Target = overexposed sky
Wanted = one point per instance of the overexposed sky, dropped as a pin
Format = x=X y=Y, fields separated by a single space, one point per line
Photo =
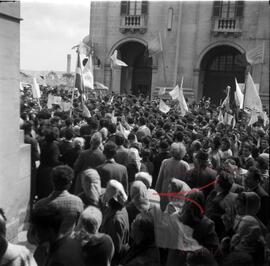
x=49 y=30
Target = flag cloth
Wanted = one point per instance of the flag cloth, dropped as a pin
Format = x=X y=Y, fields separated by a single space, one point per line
x=35 y=89
x=256 y=55
x=220 y=117
x=162 y=91
x=88 y=74
x=238 y=95
x=78 y=78
x=175 y=93
x=253 y=118
x=116 y=62
x=226 y=102
x=155 y=46
x=252 y=99
x=182 y=100
x=100 y=86
x=86 y=112
x=163 y=107
x=229 y=119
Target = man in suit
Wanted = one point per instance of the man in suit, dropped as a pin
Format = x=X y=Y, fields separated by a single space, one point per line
x=112 y=170
x=90 y=158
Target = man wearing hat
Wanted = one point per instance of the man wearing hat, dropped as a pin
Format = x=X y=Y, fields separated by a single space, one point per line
x=201 y=175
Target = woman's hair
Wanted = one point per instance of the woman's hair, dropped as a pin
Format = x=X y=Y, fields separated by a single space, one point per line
x=91 y=219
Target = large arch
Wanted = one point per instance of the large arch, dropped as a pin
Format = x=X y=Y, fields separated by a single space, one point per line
x=137 y=77
x=218 y=68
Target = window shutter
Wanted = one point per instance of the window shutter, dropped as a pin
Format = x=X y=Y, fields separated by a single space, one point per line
x=124 y=8
x=144 y=7
x=239 y=8
x=217 y=8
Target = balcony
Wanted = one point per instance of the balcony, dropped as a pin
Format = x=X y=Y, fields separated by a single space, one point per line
x=133 y=23
x=227 y=26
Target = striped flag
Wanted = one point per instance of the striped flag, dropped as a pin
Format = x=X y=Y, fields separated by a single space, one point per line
x=88 y=74
x=252 y=99
x=256 y=55
x=155 y=46
x=78 y=79
x=115 y=61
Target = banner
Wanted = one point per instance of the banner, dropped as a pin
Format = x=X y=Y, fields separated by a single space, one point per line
x=163 y=107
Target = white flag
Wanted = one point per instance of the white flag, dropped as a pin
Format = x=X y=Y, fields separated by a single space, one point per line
x=35 y=89
x=155 y=45
x=115 y=61
x=175 y=93
x=182 y=100
x=86 y=112
x=220 y=117
x=238 y=95
x=226 y=102
x=88 y=74
x=163 y=107
x=253 y=118
x=255 y=55
x=265 y=119
x=162 y=91
x=100 y=86
x=252 y=99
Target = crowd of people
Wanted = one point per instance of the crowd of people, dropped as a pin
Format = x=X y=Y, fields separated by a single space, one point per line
x=133 y=186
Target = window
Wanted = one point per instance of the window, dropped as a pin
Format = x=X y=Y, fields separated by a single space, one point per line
x=137 y=7
x=228 y=9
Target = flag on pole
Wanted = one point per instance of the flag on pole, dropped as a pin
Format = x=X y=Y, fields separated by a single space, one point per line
x=86 y=112
x=175 y=93
x=182 y=100
x=226 y=102
x=83 y=47
x=88 y=74
x=162 y=91
x=35 y=89
x=238 y=95
x=229 y=119
x=220 y=117
x=256 y=55
x=163 y=107
x=253 y=118
x=252 y=99
x=78 y=78
x=115 y=61
x=155 y=46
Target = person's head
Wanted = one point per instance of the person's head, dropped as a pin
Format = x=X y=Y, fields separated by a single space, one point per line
x=142 y=121
x=201 y=159
x=47 y=222
x=91 y=185
x=49 y=134
x=225 y=144
x=216 y=143
x=134 y=156
x=253 y=177
x=119 y=139
x=178 y=150
x=112 y=128
x=110 y=149
x=201 y=257
x=138 y=195
x=104 y=133
x=230 y=165
x=142 y=230
x=263 y=161
x=247 y=203
x=90 y=220
x=69 y=122
x=178 y=136
x=265 y=142
x=163 y=146
x=246 y=149
x=95 y=141
x=145 y=178
x=69 y=134
x=115 y=194
x=79 y=143
x=62 y=177
x=224 y=182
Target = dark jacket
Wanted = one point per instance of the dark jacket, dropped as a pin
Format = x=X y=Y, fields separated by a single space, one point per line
x=157 y=163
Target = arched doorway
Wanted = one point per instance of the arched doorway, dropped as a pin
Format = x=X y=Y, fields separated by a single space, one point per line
x=137 y=77
x=218 y=70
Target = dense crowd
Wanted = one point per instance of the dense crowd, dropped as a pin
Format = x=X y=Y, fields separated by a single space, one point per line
x=133 y=186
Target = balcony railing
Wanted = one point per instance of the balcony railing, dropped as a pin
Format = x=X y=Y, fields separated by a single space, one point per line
x=227 y=26
x=133 y=23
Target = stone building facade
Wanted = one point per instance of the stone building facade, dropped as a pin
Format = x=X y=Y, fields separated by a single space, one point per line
x=14 y=154
x=200 y=42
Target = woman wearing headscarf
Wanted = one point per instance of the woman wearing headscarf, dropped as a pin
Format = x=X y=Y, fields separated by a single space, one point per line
x=91 y=186
x=115 y=221
x=97 y=248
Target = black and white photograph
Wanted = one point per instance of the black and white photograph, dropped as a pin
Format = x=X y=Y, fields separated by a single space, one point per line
x=134 y=133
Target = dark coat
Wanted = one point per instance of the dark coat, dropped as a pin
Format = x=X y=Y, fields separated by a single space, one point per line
x=64 y=146
x=157 y=163
x=112 y=170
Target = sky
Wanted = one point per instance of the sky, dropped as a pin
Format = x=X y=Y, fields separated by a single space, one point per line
x=49 y=29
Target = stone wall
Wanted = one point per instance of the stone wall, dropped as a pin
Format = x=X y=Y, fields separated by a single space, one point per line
x=14 y=154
